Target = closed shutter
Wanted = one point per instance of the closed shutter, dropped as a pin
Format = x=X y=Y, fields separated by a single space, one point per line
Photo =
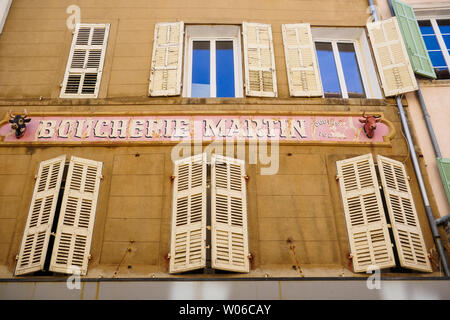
x=85 y=65
x=392 y=60
x=165 y=74
x=188 y=239
x=402 y=212
x=260 y=75
x=367 y=229
x=77 y=216
x=33 y=249
x=415 y=45
x=301 y=61
x=444 y=171
x=229 y=249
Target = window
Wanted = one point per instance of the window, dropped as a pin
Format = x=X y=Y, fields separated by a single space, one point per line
x=63 y=204
x=85 y=65
x=209 y=215
x=367 y=224
x=436 y=34
x=213 y=62
x=346 y=68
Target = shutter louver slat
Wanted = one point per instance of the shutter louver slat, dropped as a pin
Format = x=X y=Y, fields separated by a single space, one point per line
x=392 y=60
x=402 y=211
x=40 y=217
x=85 y=63
x=188 y=239
x=165 y=75
x=369 y=240
x=301 y=61
x=229 y=215
x=77 y=216
x=260 y=73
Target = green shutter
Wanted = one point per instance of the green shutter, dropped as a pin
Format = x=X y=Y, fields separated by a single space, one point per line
x=444 y=170
x=417 y=51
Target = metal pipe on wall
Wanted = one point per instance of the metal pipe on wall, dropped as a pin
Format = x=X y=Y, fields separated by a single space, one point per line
x=431 y=220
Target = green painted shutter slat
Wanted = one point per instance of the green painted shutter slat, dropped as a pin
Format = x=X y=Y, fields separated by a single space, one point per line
x=415 y=45
x=444 y=171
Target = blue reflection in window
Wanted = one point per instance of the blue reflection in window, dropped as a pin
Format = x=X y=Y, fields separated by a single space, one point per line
x=224 y=69
x=351 y=70
x=444 y=26
x=437 y=58
x=431 y=42
x=328 y=72
x=201 y=83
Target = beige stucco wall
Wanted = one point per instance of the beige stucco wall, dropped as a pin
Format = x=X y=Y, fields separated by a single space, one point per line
x=437 y=96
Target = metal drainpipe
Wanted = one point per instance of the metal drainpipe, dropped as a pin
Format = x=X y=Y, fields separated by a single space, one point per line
x=426 y=202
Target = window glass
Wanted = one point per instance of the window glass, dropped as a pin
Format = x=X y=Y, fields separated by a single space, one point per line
x=430 y=36
x=351 y=70
x=201 y=84
x=328 y=72
x=224 y=69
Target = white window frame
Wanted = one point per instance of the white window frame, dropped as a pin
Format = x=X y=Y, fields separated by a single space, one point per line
x=438 y=34
x=213 y=34
x=358 y=38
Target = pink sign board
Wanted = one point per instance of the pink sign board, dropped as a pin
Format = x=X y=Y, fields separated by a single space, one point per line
x=119 y=129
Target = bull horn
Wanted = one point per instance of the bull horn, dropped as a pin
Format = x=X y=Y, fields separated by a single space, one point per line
x=11 y=115
x=364 y=115
x=26 y=113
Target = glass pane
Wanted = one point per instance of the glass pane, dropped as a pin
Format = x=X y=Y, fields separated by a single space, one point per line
x=444 y=25
x=328 y=72
x=437 y=58
x=425 y=27
x=200 y=69
x=447 y=41
x=224 y=69
x=351 y=70
x=431 y=42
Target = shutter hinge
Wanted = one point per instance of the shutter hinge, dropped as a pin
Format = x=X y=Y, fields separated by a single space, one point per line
x=208 y=228
x=408 y=177
x=246 y=177
x=89 y=257
x=337 y=177
x=389 y=225
x=53 y=234
x=35 y=177
x=168 y=256
x=208 y=247
x=172 y=178
x=101 y=177
x=17 y=257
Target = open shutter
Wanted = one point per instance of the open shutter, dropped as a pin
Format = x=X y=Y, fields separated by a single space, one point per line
x=229 y=248
x=402 y=212
x=77 y=216
x=33 y=249
x=444 y=171
x=367 y=229
x=85 y=65
x=393 y=64
x=188 y=239
x=165 y=74
x=260 y=75
x=415 y=45
x=301 y=61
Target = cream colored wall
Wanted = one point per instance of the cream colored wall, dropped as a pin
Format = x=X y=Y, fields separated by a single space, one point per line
x=437 y=96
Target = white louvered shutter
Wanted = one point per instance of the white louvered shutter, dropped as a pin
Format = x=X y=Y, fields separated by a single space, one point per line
x=229 y=236
x=33 y=249
x=260 y=74
x=85 y=65
x=367 y=229
x=77 y=216
x=188 y=238
x=301 y=61
x=402 y=212
x=167 y=58
x=392 y=59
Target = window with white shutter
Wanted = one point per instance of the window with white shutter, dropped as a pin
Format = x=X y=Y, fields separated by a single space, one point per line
x=188 y=238
x=392 y=60
x=259 y=60
x=209 y=215
x=403 y=215
x=301 y=61
x=36 y=236
x=76 y=219
x=367 y=228
x=165 y=74
x=228 y=215
x=85 y=64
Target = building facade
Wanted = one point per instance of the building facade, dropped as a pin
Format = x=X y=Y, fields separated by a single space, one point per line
x=159 y=140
